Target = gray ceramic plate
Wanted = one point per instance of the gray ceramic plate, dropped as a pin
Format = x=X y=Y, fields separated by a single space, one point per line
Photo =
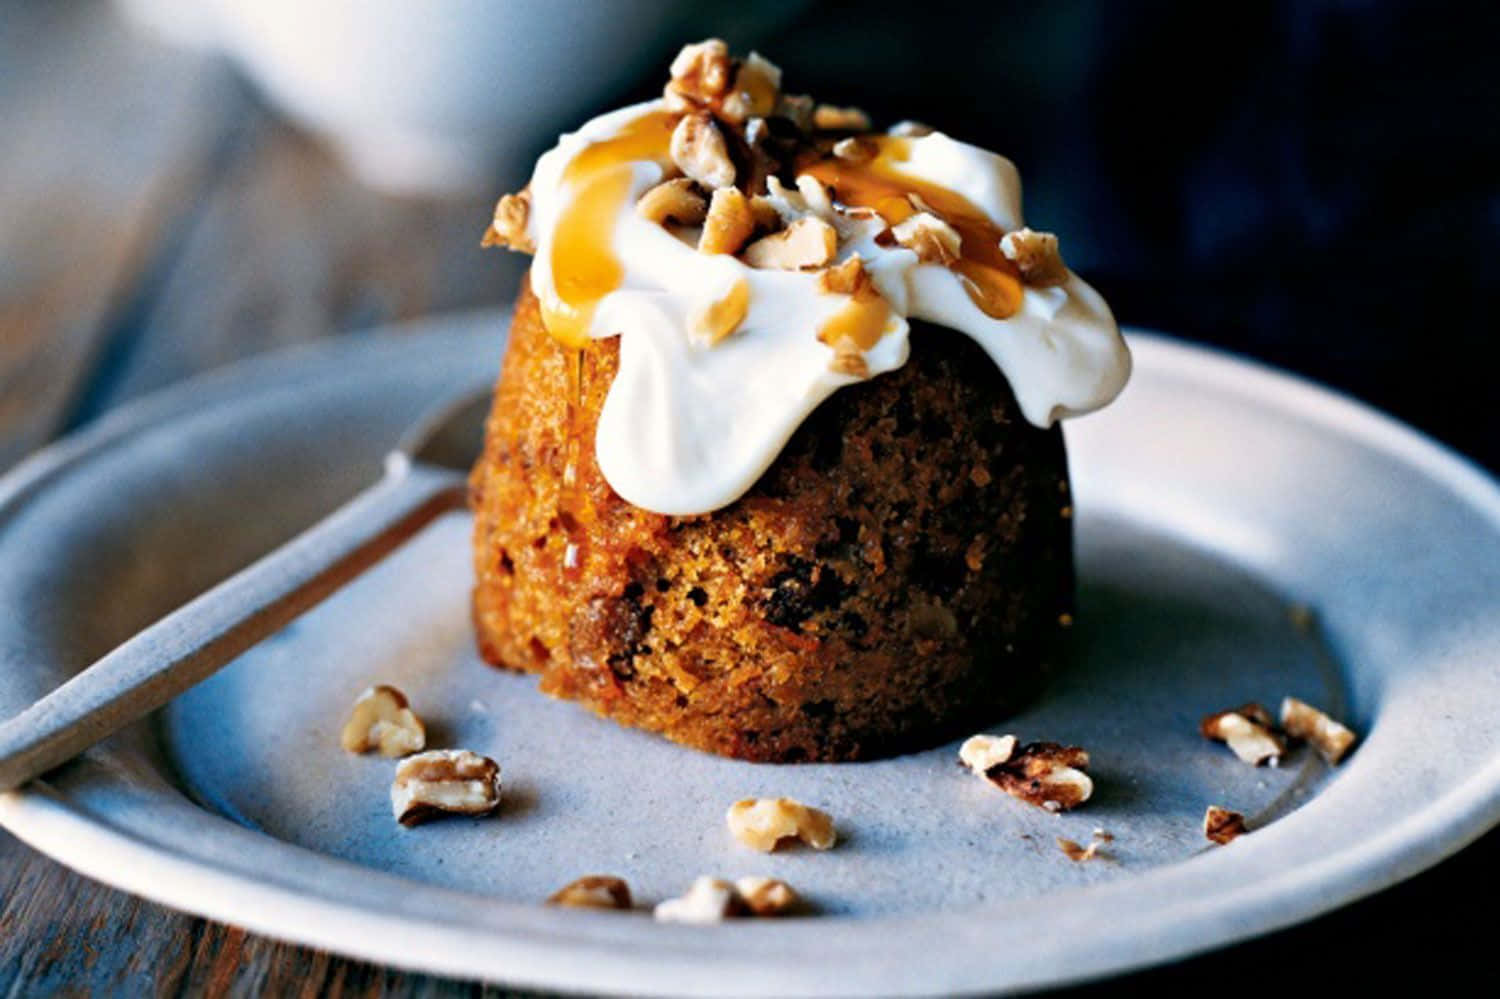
x=1212 y=499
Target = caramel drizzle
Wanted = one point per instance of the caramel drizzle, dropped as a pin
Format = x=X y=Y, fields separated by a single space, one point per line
x=584 y=265
x=990 y=278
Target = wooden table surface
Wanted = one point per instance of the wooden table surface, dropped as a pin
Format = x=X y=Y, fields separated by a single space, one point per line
x=156 y=220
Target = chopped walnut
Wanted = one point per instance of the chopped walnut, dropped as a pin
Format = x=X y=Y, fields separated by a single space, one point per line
x=1076 y=853
x=756 y=89
x=788 y=205
x=1248 y=731
x=701 y=71
x=1045 y=774
x=382 y=719
x=675 y=200
x=596 y=891
x=847 y=278
x=933 y=240
x=698 y=149
x=805 y=244
x=728 y=224
x=1036 y=256
x=1303 y=721
x=797 y=109
x=756 y=131
x=509 y=227
x=981 y=752
x=849 y=360
x=1221 y=825
x=723 y=316
x=444 y=781
x=855 y=149
x=827 y=118
x=816 y=196
x=909 y=130
x=1256 y=712
x=709 y=900
x=764 y=212
x=766 y=896
x=763 y=823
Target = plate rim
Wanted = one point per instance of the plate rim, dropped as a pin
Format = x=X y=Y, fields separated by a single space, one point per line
x=43 y=817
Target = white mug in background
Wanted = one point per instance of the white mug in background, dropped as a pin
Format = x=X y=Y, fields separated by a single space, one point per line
x=447 y=95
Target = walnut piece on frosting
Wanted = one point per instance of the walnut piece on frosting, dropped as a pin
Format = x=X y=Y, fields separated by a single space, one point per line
x=849 y=360
x=1249 y=731
x=806 y=244
x=444 y=782
x=797 y=109
x=853 y=149
x=676 y=200
x=382 y=719
x=828 y=118
x=847 y=278
x=509 y=227
x=756 y=89
x=729 y=223
x=1303 y=721
x=722 y=316
x=909 y=130
x=698 y=149
x=933 y=240
x=764 y=823
x=701 y=72
x=1036 y=256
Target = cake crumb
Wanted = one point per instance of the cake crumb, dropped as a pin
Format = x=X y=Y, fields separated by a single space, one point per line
x=1076 y=853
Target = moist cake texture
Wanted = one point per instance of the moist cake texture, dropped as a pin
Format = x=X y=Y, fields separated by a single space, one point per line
x=898 y=573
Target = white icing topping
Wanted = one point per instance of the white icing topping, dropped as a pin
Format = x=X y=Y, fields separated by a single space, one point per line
x=688 y=426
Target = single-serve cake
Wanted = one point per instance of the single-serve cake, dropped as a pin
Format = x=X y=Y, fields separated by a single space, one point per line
x=773 y=466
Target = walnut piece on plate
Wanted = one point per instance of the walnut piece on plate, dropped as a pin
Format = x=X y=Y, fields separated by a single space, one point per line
x=593 y=891
x=1249 y=731
x=444 y=782
x=1303 y=721
x=764 y=823
x=383 y=719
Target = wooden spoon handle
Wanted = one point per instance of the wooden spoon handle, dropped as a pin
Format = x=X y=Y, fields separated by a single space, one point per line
x=200 y=637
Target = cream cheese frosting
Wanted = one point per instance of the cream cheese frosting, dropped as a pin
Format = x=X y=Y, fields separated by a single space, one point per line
x=689 y=423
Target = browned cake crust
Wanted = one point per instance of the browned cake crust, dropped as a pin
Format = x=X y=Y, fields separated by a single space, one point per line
x=902 y=570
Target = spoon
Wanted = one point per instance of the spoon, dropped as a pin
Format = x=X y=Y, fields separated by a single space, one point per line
x=425 y=476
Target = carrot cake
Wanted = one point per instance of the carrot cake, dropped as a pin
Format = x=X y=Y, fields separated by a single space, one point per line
x=773 y=467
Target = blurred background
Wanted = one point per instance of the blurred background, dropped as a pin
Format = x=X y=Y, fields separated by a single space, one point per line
x=1314 y=183
x=182 y=184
